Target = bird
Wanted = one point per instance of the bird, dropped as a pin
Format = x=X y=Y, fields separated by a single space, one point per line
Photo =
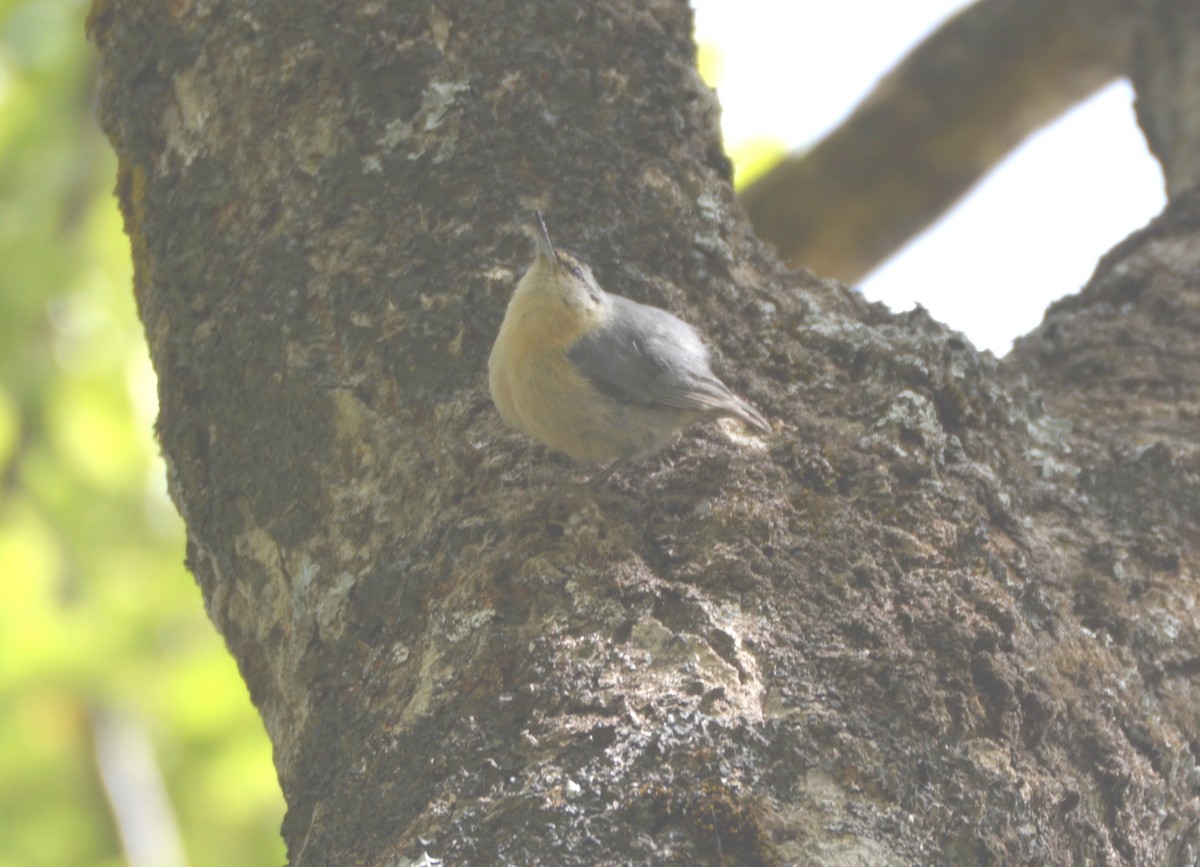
x=598 y=376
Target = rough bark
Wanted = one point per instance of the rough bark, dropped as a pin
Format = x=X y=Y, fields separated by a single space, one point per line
x=946 y=615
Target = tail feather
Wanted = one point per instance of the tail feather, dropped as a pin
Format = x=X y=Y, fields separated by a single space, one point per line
x=747 y=414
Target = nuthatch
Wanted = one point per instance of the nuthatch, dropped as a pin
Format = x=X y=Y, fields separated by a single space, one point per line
x=598 y=376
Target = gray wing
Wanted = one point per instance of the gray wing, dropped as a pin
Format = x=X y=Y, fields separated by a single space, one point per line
x=645 y=355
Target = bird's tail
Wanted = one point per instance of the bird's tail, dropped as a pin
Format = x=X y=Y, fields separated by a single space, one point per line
x=748 y=415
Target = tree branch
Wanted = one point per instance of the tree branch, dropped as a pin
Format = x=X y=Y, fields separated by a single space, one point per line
x=957 y=105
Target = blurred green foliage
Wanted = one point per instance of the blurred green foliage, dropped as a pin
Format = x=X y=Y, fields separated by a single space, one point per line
x=106 y=656
x=753 y=156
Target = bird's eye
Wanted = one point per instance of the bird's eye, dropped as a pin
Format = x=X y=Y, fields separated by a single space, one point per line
x=576 y=273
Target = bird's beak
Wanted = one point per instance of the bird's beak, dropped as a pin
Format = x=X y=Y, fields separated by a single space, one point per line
x=545 y=249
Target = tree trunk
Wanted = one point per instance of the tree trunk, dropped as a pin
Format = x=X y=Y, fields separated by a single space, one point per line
x=946 y=615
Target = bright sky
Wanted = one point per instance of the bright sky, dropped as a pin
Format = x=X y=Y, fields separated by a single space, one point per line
x=1031 y=232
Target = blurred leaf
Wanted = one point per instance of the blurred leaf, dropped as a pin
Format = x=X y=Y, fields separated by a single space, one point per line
x=710 y=62
x=96 y=611
x=753 y=157
x=10 y=423
x=36 y=34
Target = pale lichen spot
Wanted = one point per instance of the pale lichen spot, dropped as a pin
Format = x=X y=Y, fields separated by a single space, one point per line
x=349 y=419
